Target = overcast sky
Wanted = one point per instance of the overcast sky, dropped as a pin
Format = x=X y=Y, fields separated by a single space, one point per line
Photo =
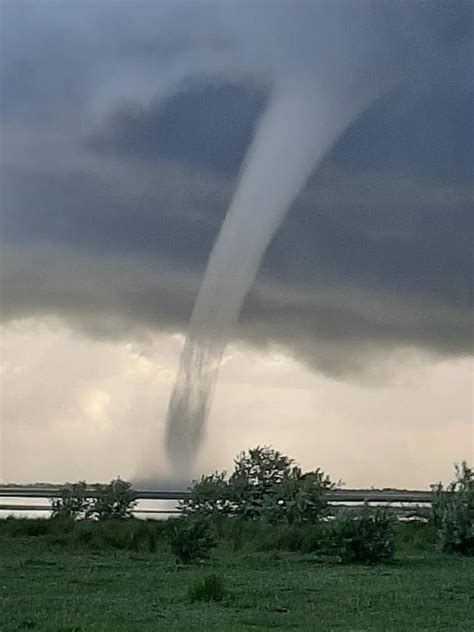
x=124 y=125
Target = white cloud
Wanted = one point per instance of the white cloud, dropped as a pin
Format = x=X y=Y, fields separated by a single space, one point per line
x=73 y=408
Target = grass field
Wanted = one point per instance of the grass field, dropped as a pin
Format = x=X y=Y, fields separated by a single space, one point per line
x=45 y=586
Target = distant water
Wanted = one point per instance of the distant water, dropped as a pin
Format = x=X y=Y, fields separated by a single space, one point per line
x=144 y=508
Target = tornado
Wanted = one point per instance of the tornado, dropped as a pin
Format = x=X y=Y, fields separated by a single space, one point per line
x=353 y=54
x=300 y=123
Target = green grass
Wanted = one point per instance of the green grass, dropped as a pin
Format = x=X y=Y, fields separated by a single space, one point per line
x=46 y=585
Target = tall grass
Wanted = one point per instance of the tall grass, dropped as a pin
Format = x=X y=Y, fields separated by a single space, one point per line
x=131 y=534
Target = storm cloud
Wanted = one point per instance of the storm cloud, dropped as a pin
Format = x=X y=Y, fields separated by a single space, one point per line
x=121 y=153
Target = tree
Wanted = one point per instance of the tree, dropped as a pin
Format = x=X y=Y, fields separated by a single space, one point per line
x=261 y=467
x=265 y=484
x=300 y=498
x=453 y=512
x=115 y=500
x=209 y=496
x=256 y=473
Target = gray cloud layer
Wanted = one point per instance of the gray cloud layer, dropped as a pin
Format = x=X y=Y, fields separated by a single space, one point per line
x=116 y=176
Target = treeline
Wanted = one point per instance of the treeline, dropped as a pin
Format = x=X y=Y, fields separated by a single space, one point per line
x=268 y=494
x=266 y=503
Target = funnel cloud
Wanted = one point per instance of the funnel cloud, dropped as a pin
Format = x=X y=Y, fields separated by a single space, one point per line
x=297 y=128
x=304 y=117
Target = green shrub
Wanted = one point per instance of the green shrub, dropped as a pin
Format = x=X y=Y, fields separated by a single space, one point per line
x=211 y=588
x=453 y=512
x=259 y=535
x=113 y=535
x=25 y=527
x=298 y=498
x=415 y=536
x=99 y=502
x=131 y=535
x=304 y=538
x=256 y=473
x=265 y=485
x=210 y=496
x=73 y=502
x=191 y=539
x=114 y=501
x=145 y=535
x=361 y=536
x=244 y=534
x=271 y=537
x=147 y=538
x=233 y=530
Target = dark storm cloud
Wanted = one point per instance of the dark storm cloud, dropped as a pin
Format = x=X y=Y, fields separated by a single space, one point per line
x=113 y=190
x=207 y=126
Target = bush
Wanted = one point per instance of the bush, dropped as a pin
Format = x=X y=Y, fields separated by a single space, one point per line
x=210 y=588
x=259 y=535
x=265 y=485
x=131 y=535
x=191 y=539
x=453 y=512
x=36 y=527
x=100 y=502
x=210 y=496
x=147 y=534
x=114 y=501
x=299 y=498
x=113 y=535
x=261 y=467
x=415 y=536
x=361 y=536
x=243 y=534
x=73 y=502
x=25 y=527
x=304 y=538
x=256 y=475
